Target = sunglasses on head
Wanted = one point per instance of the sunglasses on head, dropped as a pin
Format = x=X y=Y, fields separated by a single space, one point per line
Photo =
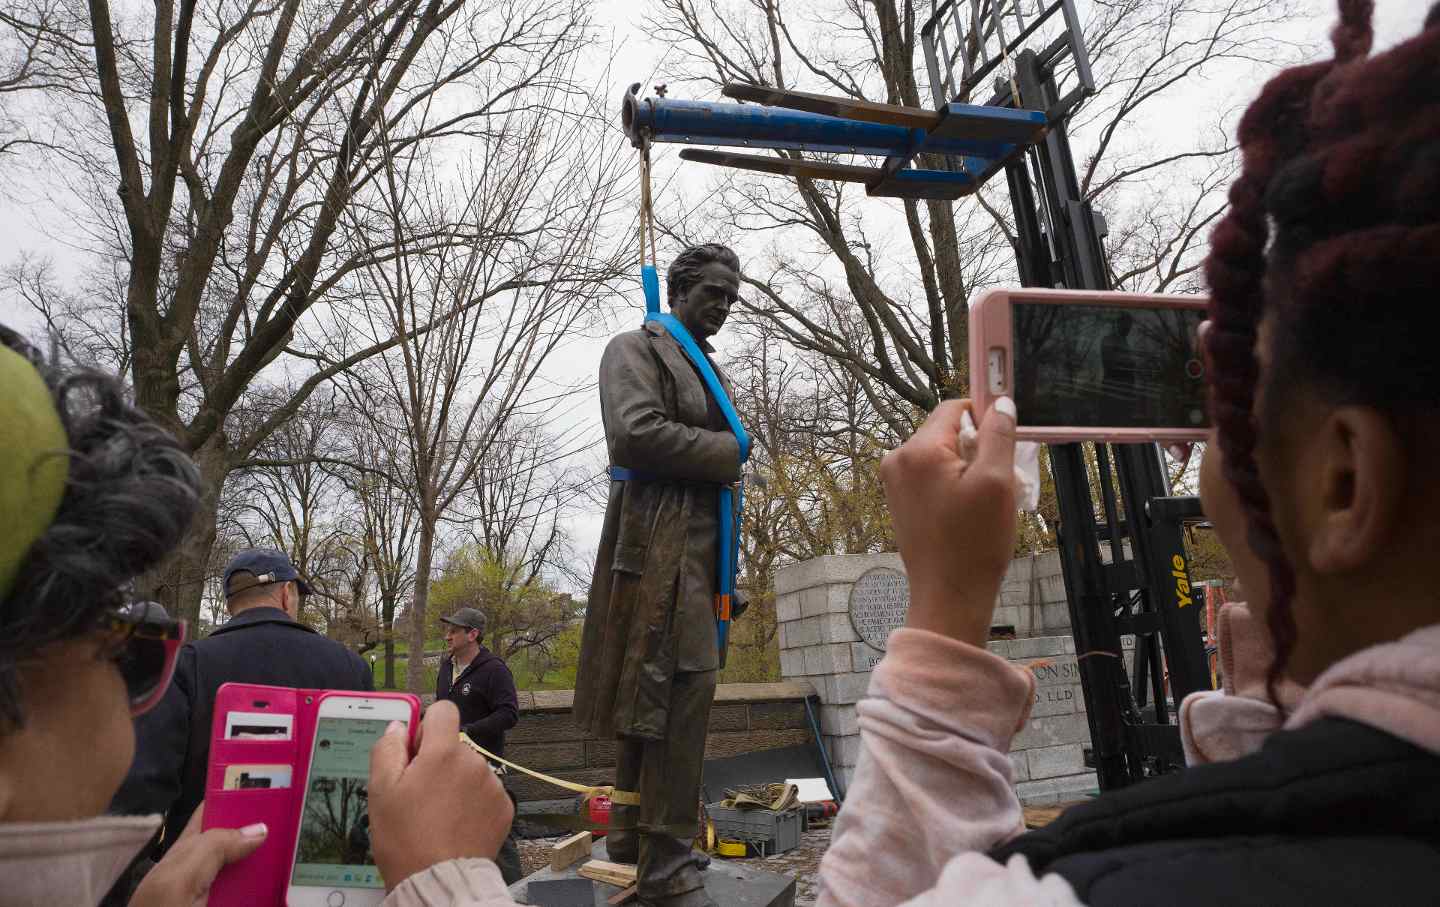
x=149 y=640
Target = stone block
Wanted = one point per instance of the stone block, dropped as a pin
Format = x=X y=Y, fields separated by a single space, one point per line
x=839 y=720
x=1036 y=647
x=1054 y=616
x=1056 y=669
x=999 y=647
x=1056 y=790
x=1017 y=599
x=827 y=658
x=1078 y=694
x=803 y=633
x=1053 y=730
x=864 y=657
x=543 y=728
x=837 y=599
x=1019 y=768
x=548 y=757
x=782 y=691
x=844 y=775
x=553 y=700
x=792 y=663
x=1067 y=645
x=814 y=601
x=1055 y=761
x=842 y=689
x=738 y=743
x=844 y=750
x=601 y=753
x=787 y=607
x=837 y=628
x=833 y=568
x=1006 y=616
x=731 y=716
x=1053 y=700
x=778 y=716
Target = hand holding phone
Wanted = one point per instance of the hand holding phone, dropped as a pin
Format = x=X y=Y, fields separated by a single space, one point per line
x=334 y=859
x=954 y=519
x=1092 y=365
x=444 y=804
x=188 y=869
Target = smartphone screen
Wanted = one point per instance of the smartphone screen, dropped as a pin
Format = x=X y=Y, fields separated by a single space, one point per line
x=1108 y=366
x=334 y=846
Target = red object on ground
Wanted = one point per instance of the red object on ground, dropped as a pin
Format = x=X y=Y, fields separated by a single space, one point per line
x=599 y=808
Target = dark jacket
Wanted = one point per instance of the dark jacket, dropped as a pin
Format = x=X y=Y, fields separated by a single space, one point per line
x=1333 y=813
x=485 y=695
x=651 y=602
x=172 y=742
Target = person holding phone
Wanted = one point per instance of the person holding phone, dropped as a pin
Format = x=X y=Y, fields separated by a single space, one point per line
x=92 y=494
x=263 y=642
x=1315 y=775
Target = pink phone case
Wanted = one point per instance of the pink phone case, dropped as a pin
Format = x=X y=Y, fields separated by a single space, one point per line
x=991 y=327
x=261 y=879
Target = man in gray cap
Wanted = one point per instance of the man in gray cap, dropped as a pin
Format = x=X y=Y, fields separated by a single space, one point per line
x=482 y=688
x=264 y=643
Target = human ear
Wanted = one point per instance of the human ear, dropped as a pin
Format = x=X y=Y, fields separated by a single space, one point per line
x=1358 y=479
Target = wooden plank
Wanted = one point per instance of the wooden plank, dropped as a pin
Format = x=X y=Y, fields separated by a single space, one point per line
x=623 y=896
x=817 y=170
x=1040 y=816
x=570 y=851
x=617 y=874
x=828 y=105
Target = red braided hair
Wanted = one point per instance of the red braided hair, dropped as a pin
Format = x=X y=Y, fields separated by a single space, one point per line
x=1333 y=236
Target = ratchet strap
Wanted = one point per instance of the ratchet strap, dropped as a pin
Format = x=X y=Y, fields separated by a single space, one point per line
x=622 y=797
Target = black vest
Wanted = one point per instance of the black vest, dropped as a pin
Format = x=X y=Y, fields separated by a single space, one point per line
x=1333 y=813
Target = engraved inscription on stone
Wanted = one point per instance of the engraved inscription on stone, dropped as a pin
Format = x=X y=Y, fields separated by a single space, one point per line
x=879 y=601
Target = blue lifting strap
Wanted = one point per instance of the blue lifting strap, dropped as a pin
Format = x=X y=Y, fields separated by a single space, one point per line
x=730 y=500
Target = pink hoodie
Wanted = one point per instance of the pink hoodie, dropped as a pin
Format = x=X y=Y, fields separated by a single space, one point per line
x=932 y=791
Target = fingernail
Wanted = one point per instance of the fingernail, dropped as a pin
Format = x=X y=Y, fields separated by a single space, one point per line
x=258 y=830
x=395 y=727
x=1005 y=405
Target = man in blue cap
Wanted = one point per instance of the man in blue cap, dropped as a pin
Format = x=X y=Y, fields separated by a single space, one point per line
x=263 y=642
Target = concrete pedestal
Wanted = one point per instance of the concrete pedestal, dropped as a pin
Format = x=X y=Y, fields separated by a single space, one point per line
x=728 y=884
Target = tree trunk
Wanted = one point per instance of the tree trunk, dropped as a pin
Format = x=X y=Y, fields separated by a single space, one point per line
x=415 y=676
x=387 y=628
x=178 y=582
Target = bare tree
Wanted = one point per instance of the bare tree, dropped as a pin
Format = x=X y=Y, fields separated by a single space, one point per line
x=388 y=523
x=529 y=275
x=883 y=291
x=39 y=54
x=226 y=155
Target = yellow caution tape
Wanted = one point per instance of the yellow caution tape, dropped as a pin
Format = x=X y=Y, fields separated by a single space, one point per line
x=622 y=797
x=732 y=849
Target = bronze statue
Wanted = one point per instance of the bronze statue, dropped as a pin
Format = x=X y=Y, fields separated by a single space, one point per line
x=648 y=657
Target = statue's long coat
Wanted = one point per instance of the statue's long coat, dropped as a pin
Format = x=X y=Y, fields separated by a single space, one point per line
x=650 y=611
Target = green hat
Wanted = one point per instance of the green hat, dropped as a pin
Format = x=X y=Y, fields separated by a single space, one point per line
x=34 y=462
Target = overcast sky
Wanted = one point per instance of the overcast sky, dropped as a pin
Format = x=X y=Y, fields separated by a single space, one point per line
x=36 y=227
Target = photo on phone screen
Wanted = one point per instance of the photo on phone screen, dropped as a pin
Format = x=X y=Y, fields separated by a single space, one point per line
x=334 y=846
x=1112 y=366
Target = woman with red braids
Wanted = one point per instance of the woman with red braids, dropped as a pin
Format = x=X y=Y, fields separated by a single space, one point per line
x=1315 y=775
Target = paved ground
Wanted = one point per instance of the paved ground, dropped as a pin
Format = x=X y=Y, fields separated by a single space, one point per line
x=802 y=862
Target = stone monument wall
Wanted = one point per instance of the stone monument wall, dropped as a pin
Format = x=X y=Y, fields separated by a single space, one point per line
x=820 y=642
x=746 y=718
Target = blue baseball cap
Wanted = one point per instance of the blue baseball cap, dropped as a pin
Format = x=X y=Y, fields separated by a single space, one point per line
x=266 y=565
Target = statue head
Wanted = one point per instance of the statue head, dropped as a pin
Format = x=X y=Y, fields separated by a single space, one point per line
x=703 y=283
